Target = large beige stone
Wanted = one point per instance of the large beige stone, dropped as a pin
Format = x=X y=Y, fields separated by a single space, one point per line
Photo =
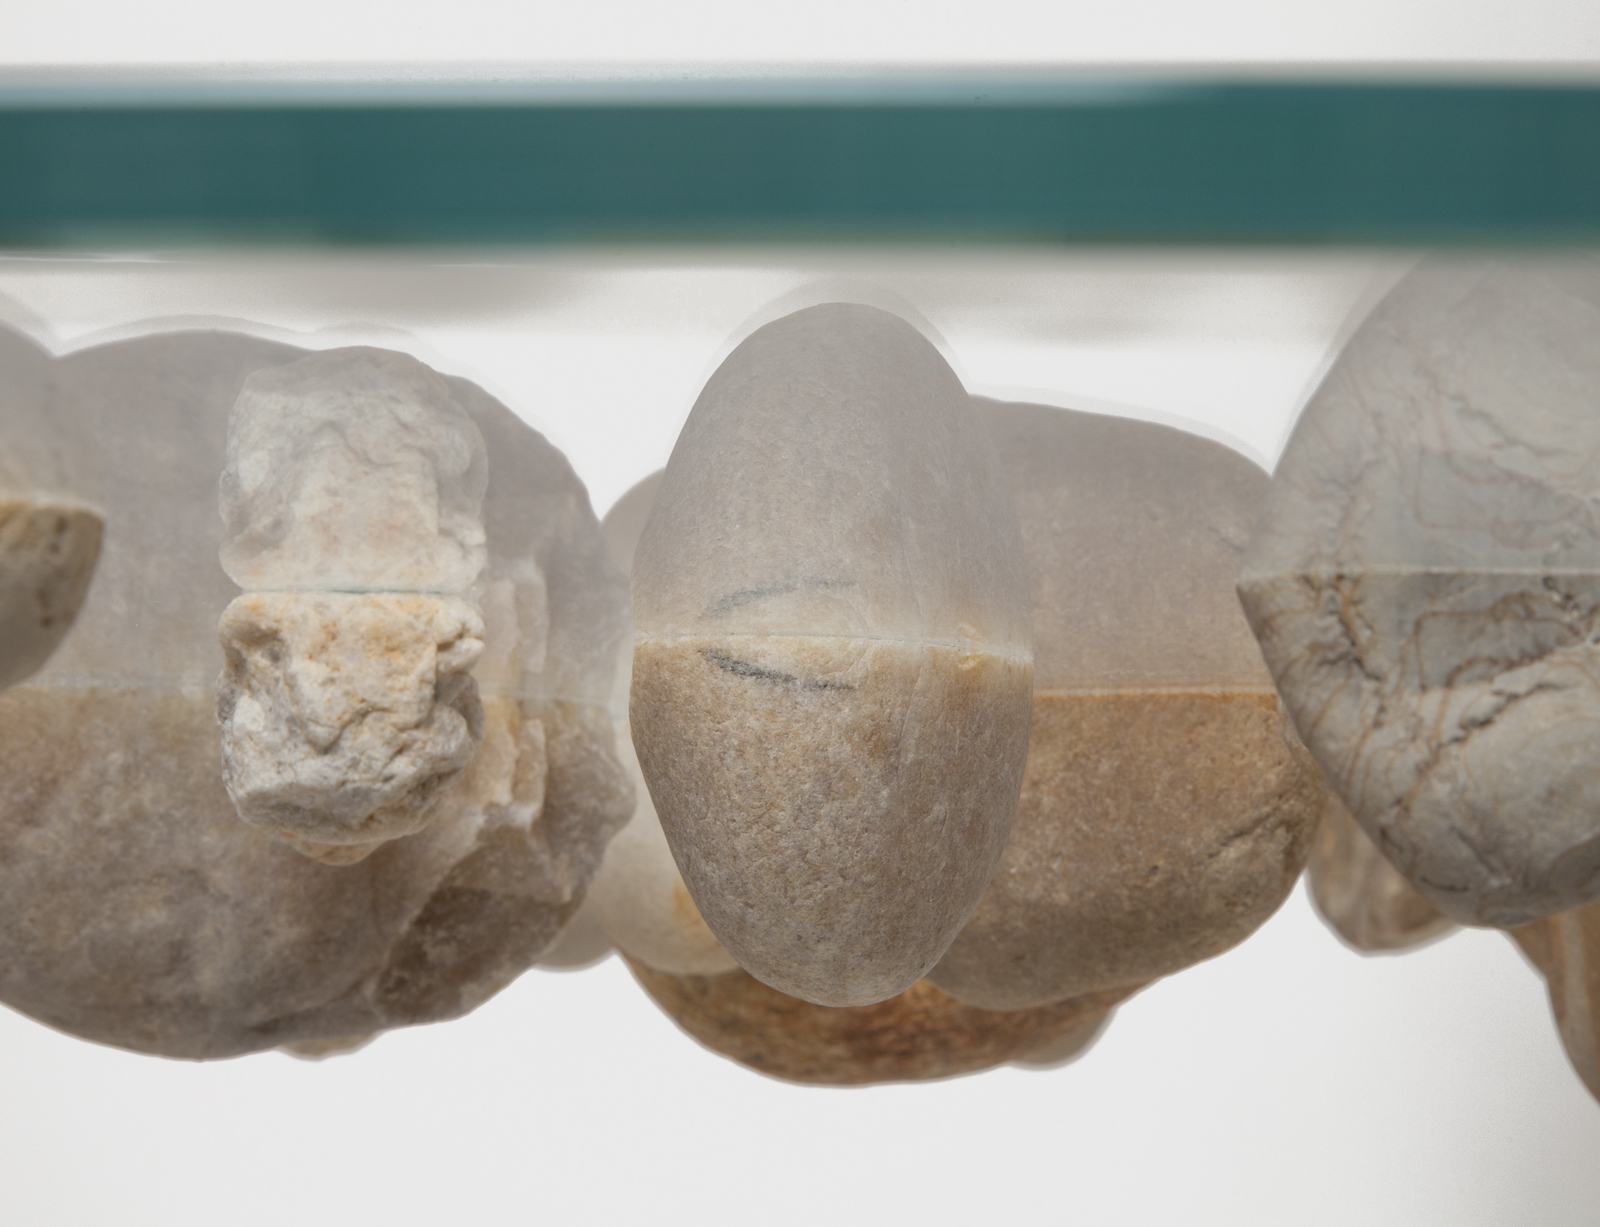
x=1425 y=584
x=638 y=896
x=137 y=910
x=1566 y=948
x=917 y=1035
x=1163 y=815
x=1364 y=899
x=49 y=529
x=832 y=660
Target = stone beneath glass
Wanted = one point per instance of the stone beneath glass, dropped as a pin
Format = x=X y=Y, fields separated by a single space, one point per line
x=1425 y=584
x=1364 y=899
x=137 y=910
x=50 y=523
x=832 y=662
x=918 y=1035
x=1566 y=948
x=1164 y=816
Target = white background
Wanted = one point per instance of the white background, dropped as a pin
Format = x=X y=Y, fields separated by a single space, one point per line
x=1288 y=1082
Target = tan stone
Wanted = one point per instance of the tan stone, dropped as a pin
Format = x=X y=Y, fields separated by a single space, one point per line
x=48 y=551
x=1163 y=815
x=137 y=910
x=1566 y=948
x=1364 y=899
x=917 y=1035
x=832 y=657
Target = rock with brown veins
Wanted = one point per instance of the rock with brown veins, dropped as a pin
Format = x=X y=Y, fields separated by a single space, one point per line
x=917 y=1035
x=1566 y=948
x=1164 y=816
x=1364 y=899
x=1425 y=584
x=137 y=910
x=638 y=896
x=49 y=530
x=832 y=659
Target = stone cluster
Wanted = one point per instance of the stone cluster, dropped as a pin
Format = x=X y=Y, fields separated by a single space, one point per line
x=832 y=662
x=136 y=909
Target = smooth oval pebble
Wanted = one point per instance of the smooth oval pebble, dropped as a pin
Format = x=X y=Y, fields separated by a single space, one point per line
x=1163 y=816
x=50 y=528
x=832 y=662
x=137 y=910
x=917 y=1035
x=638 y=896
x=1566 y=948
x=1364 y=899
x=1425 y=584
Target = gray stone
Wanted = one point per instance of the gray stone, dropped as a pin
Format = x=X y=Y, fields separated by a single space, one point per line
x=832 y=661
x=1425 y=584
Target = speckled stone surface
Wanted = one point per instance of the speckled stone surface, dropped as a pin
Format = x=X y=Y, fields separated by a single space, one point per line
x=1566 y=948
x=917 y=1035
x=137 y=910
x=638 y=896
x=832 y=661
x=50 y=530
x=1364 y=899
x=1425 y=584
x=1163 y=815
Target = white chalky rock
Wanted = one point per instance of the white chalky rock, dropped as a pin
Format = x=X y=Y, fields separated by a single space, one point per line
x=832 y=666
x=638 y=895
x=352 y=499
x=49 y=532
x=137 y=910
x=1425 y=584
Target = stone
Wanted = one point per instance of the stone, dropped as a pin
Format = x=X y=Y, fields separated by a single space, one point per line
x=49 y=529
x=1067 y=1047
x=137 y=910
x=1363 y=898
x=1425 y=584
x=1566 y=949
x=582 y=943
x=832 y=656
x=1164 y=815
x=918 y=1035
x=638 y=896
x=351 y=498
x=344 y=716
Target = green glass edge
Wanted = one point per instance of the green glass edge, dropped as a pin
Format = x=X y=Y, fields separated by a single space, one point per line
x=1357 y=163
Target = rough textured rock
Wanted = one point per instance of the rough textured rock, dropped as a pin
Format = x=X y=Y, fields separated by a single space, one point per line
x=917 y=1035
x=1163 y=815
x=638 y=896
x=1363 y=898
x=1566 y=948
x=350 y=473
x=1426 y=584
x=49 y=531
x=832 y=660
x=137 y=910
x=344 y=716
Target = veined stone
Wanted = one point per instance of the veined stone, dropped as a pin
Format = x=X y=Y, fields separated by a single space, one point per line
x=917 y=1035
x=1364 y=899
x=137 y=910
x=1566 y=948
x=832 y=661
x=1164 y=817
x=638 y=896
x=49 y=532
x=1425 y=584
